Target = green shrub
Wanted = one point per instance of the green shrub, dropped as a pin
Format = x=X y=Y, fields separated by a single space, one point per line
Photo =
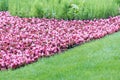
x=21 y=8
x=118 y=2
x=64 y=9
x=3 y=5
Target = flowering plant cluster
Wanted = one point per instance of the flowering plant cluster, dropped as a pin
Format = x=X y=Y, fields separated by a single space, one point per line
x=25 y=40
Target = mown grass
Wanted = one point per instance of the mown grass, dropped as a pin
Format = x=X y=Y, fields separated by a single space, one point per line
x=95 y=60
x=64 y=9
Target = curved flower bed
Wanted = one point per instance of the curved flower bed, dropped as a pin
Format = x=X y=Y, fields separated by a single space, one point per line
x=25 y=40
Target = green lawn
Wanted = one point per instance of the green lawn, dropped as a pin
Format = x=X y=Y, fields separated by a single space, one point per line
x=95 y=60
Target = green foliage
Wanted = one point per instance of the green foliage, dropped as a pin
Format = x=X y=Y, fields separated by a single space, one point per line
x=21 y=8
x=64 y=9
x=118 y=1
x=100 y=9
x=3 y=5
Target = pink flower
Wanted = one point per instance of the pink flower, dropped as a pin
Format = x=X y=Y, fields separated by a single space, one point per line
x=25 y=40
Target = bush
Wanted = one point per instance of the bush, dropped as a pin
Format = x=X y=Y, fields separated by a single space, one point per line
x=64 y=9
x=3 y=5
x=21 y=8
x=118 y=1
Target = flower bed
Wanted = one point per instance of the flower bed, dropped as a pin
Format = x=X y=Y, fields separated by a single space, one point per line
x=25 y=40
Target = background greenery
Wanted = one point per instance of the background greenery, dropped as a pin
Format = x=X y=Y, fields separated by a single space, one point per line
x=118 y=1
x=3 y=5
x=62 y=9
